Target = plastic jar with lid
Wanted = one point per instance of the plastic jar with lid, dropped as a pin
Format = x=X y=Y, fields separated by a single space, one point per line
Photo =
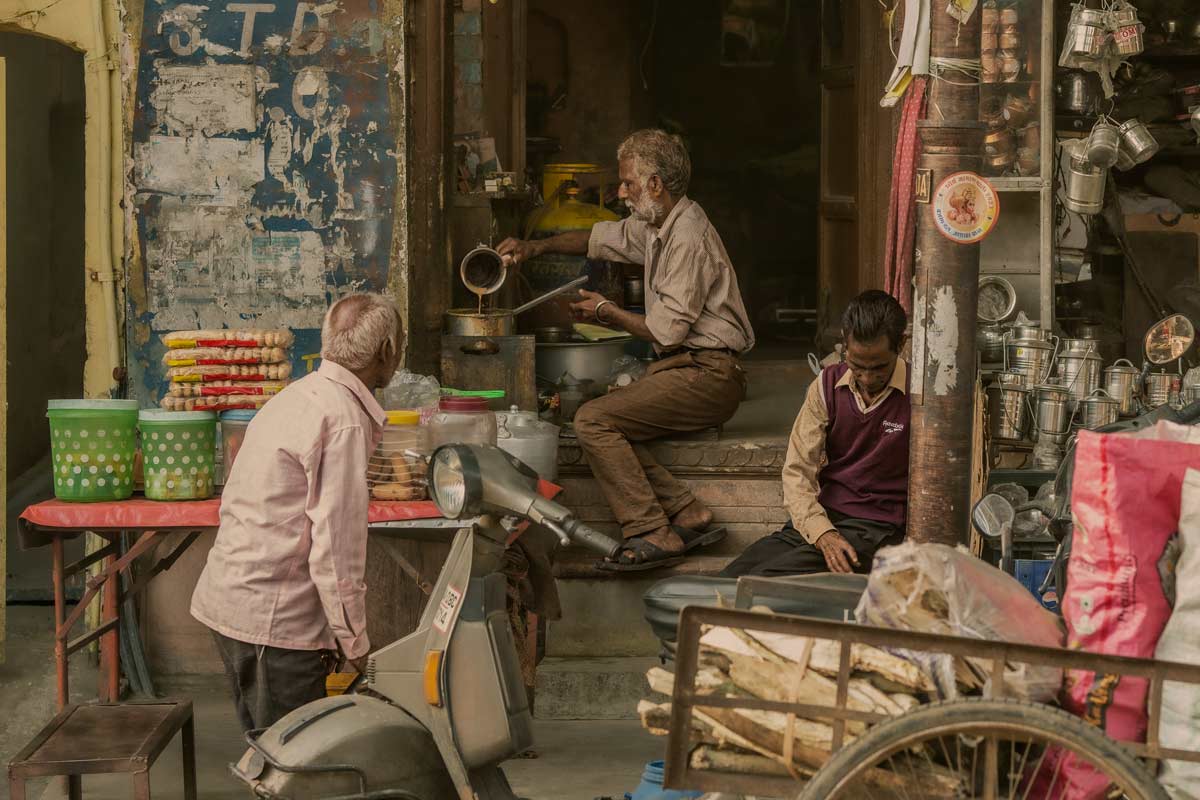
x=462 y=420
x=233 y=431
x=396 y=471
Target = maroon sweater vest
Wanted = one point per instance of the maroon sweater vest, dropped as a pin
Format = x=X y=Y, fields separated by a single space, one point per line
x=866 y=474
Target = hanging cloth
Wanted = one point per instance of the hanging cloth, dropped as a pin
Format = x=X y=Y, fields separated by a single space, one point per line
x=902 y=211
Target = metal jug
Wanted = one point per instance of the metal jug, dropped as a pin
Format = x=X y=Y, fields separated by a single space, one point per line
x=1098 y=410
x=1079 y=366
x=1008 y=411
x=1120 y=382
x=1052 y=419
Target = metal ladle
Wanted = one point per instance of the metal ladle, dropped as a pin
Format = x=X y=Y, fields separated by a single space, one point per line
x=537 y=301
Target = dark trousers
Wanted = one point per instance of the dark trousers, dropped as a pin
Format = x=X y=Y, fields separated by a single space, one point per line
x=786 y=553
x=269 y=683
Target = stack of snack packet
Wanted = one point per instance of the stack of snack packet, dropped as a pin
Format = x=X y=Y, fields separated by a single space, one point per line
x=221 y=370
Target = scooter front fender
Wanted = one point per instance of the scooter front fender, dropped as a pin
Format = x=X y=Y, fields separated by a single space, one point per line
x=345 y=746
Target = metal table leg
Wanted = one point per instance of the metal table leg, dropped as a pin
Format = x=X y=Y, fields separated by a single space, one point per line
x=62 y=695
x=110 y=653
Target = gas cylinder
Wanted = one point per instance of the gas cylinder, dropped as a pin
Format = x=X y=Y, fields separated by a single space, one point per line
x=563 y=212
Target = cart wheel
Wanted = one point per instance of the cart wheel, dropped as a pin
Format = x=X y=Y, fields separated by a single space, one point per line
x=978 y=748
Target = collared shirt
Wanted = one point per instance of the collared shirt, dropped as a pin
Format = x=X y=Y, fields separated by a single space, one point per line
x=806 y=451
x=692 y=295
x=287 y=566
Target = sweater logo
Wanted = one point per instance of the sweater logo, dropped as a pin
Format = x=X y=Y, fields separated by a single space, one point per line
x=892 y=427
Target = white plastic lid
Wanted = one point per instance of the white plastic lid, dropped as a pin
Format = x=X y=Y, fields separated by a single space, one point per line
x=92 y=405
x=160 y=415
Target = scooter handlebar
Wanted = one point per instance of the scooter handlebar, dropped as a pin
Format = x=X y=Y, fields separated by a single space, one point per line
x=592 y=539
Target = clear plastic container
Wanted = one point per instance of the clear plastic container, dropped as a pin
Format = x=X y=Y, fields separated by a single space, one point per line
x=233 y=431
x=462 y=420
x=396 y=471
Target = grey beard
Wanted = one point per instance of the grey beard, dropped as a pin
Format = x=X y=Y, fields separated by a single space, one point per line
x=647 y=211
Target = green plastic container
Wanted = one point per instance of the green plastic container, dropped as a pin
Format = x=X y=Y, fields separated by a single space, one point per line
x=178 y=453
x=92 y=443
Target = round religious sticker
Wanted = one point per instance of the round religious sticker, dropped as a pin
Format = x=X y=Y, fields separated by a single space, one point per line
x=965 y=207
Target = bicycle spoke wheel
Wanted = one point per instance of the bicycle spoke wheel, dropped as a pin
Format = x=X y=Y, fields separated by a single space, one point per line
x=982 y=750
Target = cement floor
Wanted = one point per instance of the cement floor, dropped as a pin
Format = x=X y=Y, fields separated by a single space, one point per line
x=577 y=760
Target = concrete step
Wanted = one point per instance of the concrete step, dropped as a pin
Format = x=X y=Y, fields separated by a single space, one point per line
x=591 y=688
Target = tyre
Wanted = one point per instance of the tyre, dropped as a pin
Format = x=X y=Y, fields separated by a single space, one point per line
x=978 y=748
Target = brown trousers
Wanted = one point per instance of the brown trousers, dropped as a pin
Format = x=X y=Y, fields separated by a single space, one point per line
x=685 y=393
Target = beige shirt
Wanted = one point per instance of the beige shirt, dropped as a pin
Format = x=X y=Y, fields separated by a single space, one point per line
x=806 y=452
x=287 y=567
x=692 y=295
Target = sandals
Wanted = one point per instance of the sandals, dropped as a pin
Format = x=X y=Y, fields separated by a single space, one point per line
x=648 y=556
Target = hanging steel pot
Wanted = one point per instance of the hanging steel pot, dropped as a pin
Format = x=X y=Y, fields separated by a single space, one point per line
x=1103 y=144
x=1087 y=33
x=1127 y=31
x=1084 y=191
x=1137 y=142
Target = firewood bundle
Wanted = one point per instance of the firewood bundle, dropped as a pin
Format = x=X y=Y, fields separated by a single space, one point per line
x=792 y=669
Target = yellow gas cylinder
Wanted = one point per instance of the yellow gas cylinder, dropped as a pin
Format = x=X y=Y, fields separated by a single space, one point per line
x=561 y=213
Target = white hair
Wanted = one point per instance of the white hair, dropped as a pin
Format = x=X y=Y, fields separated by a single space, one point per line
x=656 y=152
x=358 y=327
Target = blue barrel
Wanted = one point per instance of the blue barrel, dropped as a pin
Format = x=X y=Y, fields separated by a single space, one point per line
x=651 y=787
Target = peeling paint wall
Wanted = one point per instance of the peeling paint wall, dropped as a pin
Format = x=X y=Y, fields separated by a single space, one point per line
x=264 y=174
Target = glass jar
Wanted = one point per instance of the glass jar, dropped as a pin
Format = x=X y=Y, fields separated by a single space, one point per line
x=462 y=420
x=396 y=471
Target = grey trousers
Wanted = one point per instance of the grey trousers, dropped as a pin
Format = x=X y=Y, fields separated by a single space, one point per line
x=786 y=553
x=269 y=683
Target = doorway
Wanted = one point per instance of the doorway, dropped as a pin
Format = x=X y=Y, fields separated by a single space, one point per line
x=44 y=321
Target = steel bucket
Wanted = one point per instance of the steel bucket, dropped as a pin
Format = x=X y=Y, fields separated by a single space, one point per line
x=1008 y=411
x=1158 y=389
x=1103 y=145
x=1031 y=357
x=1079 y=366
x=1120 y=382
x=1127 y=31
x=1087 y=33
x=1098 y=410
x=1051 y=418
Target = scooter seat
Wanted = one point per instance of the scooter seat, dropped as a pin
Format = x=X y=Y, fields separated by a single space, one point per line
x=824 y=595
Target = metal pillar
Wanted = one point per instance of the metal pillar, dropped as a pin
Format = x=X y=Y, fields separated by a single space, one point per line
x=945 y=301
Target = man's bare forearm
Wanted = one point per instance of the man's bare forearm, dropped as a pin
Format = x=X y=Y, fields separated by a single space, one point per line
x=627 y=321
x=571 y=243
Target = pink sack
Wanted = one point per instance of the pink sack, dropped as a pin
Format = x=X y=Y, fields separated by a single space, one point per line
x=1126 y=504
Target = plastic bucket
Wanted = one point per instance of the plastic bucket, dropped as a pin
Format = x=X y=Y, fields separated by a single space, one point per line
x=233 y=432
x=651 y=787
x=178 y=453
x=92 y=445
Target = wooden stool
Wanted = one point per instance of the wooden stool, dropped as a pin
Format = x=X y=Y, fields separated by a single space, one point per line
x=107 y=738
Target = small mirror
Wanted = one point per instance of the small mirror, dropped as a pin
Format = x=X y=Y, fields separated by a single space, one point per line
x=993 y=515
x=1169 y=339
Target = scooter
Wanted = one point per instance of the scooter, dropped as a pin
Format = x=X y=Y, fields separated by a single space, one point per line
x=440 y=709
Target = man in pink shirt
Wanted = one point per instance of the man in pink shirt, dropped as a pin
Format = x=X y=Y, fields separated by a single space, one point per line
x=283 y=588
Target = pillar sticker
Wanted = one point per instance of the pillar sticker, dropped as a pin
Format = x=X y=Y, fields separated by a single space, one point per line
x=965 y=208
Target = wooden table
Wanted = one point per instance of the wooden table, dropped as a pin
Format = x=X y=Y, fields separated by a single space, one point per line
x=53 y=522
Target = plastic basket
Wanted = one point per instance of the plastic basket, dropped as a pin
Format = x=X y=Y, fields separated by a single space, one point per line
x=92 y=445
x=178 y=454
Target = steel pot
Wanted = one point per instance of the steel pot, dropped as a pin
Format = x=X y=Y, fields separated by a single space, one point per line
x=1097 y=410
x=1127 y=31
x=1087 y=33
x=470 y=322
x=1008 y=411
x=1190 y=393
x=1103 y=145
x=989 y=341
x=1031 y=331
x=997 y=299
x=1137 y=142
x=1051 y=418
x=1158 y=389
x=1079 y=365
x=590 y=361
x=1120 y=382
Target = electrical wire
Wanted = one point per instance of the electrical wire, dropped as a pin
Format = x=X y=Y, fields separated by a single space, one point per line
x=30 y=12
x=646 y=46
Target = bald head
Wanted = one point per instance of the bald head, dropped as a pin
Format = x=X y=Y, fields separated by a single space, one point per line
x=361 y=331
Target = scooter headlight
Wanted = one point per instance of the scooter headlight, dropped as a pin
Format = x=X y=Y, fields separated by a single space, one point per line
x=448 y=482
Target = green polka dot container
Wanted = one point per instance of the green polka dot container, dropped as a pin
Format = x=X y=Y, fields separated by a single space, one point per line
x=178 y=453
x=92 y=444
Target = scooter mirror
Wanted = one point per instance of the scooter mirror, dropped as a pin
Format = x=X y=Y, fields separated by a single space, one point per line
x=1169 y=339
x=992 y=515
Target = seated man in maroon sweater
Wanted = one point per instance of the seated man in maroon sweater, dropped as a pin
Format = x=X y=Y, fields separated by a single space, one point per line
x=845 y=481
